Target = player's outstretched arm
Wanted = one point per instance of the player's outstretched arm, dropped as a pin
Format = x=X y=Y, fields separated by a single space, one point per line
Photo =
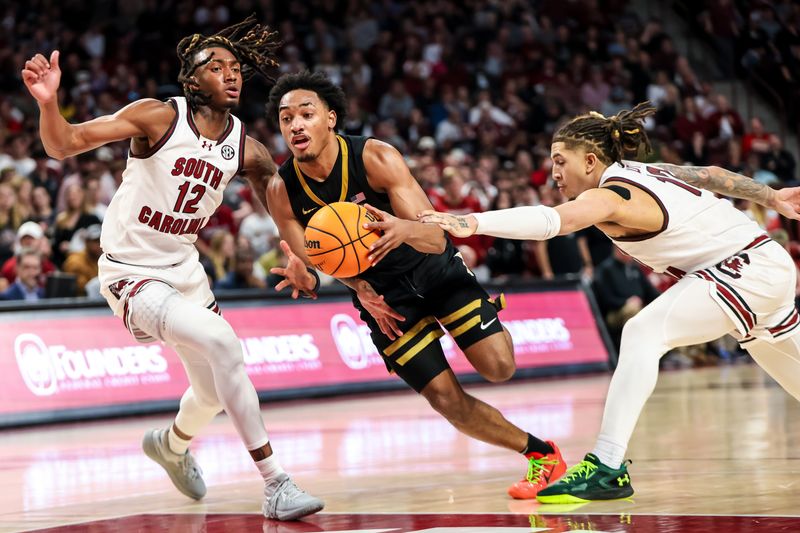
x=531 y=222
x=144 y=118
x=719 y=180
x=388 y=172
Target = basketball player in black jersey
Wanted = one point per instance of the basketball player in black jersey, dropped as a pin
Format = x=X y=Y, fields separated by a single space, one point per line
x=418 y=280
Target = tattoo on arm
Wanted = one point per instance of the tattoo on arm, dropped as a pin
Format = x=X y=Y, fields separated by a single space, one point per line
x=462 y=222
x=723 y=181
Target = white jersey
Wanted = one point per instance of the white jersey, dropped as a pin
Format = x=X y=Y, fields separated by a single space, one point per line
x=699 y=229
x=168 y=193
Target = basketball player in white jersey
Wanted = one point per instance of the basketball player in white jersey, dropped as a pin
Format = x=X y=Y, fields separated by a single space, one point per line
x=183 y=153
x=733 y=278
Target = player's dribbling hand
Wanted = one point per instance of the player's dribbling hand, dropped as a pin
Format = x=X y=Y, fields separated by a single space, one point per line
x=42 y=77
x=385 y=316
x=295 y=274
x=787 y=202
x=395 y=231
x=455 y=225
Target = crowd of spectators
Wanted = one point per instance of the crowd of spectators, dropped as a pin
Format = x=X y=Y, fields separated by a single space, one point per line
x=760 y=38
x=469 y=91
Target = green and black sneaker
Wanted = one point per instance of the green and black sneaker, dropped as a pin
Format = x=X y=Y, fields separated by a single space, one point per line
x=588 y=481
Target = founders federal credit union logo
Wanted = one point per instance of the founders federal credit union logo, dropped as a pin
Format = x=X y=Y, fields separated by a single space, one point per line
x=33 y=360
x=353 y=342
x=48 y=369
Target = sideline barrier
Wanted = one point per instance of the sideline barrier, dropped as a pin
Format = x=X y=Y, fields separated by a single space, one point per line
x=77 y=361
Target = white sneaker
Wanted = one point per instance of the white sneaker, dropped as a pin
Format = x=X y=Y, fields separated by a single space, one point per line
x=182 y=469
x=286 y=501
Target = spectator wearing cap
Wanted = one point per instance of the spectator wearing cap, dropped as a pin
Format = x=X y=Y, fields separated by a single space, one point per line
x=83 y=264
x=29 y=236
x=26 y=286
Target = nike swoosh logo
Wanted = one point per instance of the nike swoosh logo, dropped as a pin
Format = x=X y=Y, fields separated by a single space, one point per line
x=307 y=211
x=484 y=326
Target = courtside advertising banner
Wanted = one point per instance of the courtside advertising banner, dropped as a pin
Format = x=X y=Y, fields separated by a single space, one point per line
x=74 y=359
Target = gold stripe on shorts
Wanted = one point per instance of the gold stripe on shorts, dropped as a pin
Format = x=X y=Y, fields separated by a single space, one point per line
x=469 y=324
x=408 y=335
x=418 y=347
x=464 y=311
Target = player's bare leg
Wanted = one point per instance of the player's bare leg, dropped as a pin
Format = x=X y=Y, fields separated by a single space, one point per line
x=493 y=357
x=481 y=421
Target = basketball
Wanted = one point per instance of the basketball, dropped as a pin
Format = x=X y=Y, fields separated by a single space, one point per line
x=336 y=241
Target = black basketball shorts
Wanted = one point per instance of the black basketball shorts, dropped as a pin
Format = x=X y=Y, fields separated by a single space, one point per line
x=441 y=292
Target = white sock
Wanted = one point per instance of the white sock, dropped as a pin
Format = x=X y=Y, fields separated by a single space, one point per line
x=609 y=452
x=270 y=468
x=176 y=444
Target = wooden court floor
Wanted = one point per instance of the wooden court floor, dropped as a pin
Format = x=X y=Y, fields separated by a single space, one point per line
x=722 y=442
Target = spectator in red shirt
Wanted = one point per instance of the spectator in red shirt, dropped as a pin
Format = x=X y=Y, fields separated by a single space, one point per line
x=725 y=122
x=689 y=122
x=755 y=140
x=457 y=199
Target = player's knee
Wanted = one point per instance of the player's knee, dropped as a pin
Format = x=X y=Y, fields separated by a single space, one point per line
x=450 y=403
x=640 y=337
x=496 y=359
x=501 y=368
x=636 y=329
x=221 y=343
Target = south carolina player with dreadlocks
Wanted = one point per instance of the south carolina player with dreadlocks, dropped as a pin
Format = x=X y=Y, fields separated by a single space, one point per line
x=183 y=152
x=732 y=277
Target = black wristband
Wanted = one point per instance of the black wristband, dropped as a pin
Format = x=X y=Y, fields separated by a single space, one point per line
x=313 y=272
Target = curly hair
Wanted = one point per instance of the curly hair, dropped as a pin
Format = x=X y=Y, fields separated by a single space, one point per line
x=610 y=138
x=318 y=83
x=251 y=43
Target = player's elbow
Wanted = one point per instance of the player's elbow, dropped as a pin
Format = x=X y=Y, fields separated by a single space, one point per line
x=59 y=155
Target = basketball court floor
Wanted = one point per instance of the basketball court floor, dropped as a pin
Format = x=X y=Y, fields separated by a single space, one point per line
x=717 y=449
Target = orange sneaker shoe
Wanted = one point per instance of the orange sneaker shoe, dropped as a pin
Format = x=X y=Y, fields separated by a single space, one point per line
x=542 y=470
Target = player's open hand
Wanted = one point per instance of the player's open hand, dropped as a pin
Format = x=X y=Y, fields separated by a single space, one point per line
x=395 y=231
x=295 y=274
x=455 y=225
x=42 y=77
x=787 y=202
x=385 y=316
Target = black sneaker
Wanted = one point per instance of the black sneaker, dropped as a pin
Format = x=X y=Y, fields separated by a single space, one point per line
x=587 y=481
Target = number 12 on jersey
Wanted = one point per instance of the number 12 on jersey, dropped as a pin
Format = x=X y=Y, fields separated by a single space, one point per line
x=191 y=205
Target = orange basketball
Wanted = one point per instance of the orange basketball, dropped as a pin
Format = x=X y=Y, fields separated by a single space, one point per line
x=336 y=241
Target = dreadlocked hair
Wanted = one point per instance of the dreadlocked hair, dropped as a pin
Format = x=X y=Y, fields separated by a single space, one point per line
x=317 y=83
x=252 y=44
x=610 y=138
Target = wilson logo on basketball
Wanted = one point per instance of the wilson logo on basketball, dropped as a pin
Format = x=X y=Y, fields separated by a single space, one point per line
x=312 y=245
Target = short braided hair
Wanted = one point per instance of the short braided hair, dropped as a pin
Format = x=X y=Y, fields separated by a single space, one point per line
x=251 y=43
x=610 y=138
